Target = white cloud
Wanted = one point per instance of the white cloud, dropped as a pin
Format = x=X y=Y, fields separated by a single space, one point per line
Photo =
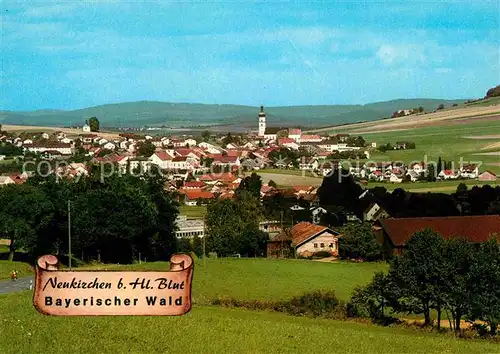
x=391 y=54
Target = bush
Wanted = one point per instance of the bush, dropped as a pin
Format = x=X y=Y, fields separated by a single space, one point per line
x=316 y=304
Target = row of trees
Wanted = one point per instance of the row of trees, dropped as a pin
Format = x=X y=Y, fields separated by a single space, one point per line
x=114 y=221
x=451 y=277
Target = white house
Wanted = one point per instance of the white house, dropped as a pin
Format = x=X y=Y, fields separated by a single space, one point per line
x=469 y=171
x=317 y=212
x=294 y=134
x=310 y=165
x=86 y=127
x=162 y=159
x=109 y=146
x=447 y=174
x=395 y=178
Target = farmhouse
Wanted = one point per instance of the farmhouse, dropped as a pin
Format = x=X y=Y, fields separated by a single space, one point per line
x=305 y=239
x=394 y=233
x=487 y=176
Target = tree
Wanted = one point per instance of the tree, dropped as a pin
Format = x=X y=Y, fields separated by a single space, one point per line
x=232 y=225
x=228 y=139
x=457 y=257
x=146 y=148
x=440 y=107
x=271 y=183
x=493 y=92
x=25 y=210
x=420 y=109
x=205 y=135
x=251 y=184
x=358 y=240
x=484 y=287
x=94 y=124
x=431 y=173
x=417 y=275
x=439 y=166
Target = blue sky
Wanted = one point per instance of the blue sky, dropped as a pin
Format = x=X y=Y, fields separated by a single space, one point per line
x=74 y=54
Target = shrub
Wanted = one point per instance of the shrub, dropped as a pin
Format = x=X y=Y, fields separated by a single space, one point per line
x=318 y=303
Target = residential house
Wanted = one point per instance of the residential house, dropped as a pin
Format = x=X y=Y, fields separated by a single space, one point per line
x=487 y=176
x=5 y=180
x=305 y=239
x=413 y=175
x=309 y=164
x=294 y=134
x=196 y=197
x=374 y=212
x=109 y=146
x=193 y=185
x=310 y=139
x=469 y=171
x=418 y=167
x=330 y=145
x=317 y=213
x=394 y=233
x=40 y=147
x=447 y=174
x=162 y=159
x=288 y=143
x=189 y=228
x=226 y=161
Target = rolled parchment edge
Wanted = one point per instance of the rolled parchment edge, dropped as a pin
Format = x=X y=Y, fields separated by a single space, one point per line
x=178 y=262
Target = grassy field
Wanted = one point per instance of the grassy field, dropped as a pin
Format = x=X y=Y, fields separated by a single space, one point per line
x=6 y=267
x=268 y=279
x=209 y=330
x=193 y=211
x=449 y=142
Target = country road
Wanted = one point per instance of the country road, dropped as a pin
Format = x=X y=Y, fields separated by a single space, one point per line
x=10 y=286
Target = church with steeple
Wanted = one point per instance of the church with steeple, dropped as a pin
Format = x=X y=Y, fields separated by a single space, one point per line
x=262 y=121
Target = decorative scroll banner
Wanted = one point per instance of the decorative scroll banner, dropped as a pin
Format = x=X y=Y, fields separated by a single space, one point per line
x=99 y=293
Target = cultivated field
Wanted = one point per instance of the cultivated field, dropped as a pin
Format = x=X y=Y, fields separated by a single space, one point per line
x=444 y=117
x=68 y=131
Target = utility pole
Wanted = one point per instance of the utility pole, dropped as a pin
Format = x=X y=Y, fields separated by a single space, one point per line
x=69 y=232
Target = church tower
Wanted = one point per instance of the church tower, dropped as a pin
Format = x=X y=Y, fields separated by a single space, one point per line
x=262 y=121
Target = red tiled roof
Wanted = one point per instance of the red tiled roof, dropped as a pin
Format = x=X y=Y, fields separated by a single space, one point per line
x=226 y=159
x=310 y=137
x=475 y=228
x=16 y=178
x=301 y=232
x=229 y=177
x=294 y=131
x=285 y=141
x=194 y=194
x=194 y=184
x=163 y=155
x=302 y=188
x=179 y=158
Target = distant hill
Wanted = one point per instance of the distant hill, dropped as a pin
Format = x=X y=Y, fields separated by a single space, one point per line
x=151 y=113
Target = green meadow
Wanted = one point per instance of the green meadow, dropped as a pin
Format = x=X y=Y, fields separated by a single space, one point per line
x=267 y=279
x=193 y=211
x=448 y=142
x=209 y=329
